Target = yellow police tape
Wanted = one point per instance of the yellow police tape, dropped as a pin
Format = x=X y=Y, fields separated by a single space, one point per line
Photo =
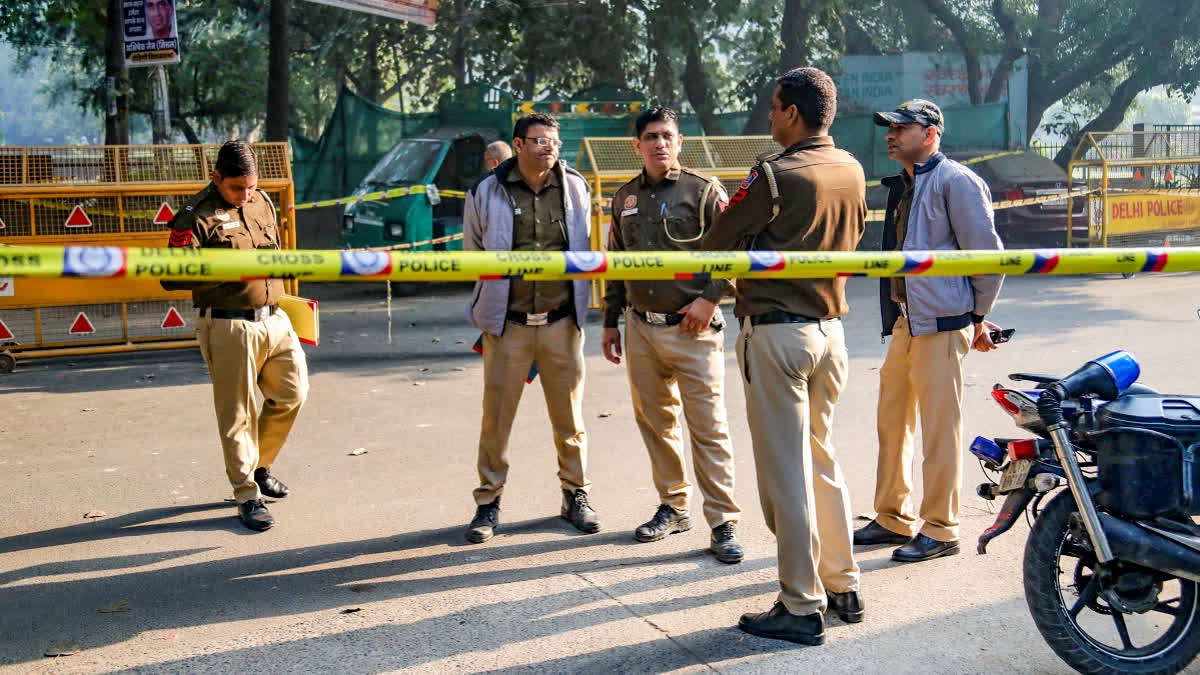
x=360 y=265
x=380 y=195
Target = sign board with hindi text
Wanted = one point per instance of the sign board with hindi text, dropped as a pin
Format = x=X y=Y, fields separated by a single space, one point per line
x=151 y=32
x=417 y=11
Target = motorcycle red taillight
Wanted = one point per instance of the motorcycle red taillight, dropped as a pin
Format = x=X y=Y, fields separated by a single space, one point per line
x=1009 y=407
x=1014 y=193
x=1023 y=449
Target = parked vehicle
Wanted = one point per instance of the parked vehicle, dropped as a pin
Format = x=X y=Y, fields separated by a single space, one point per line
x=1112 y=564
x=448 y=158
x=1020 y=175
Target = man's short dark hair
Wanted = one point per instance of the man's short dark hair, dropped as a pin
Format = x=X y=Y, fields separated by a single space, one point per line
x=236 y=159
x=522 y=126
x=656 y=114
x=812 y=92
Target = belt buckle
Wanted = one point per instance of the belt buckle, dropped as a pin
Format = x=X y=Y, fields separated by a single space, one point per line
x=656 y=318
x=261 y=313
x=537 y=319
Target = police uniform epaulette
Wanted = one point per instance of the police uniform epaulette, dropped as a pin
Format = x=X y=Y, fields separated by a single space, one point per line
x=266 y=196
x=697 y=174
x=768 y=157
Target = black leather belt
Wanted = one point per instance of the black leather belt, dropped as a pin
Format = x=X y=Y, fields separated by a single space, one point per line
x=780 y=316
x=540 y=319
x=658 y=318
x=259 y=314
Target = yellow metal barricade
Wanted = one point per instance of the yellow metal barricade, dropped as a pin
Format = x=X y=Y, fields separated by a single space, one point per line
x=107 y=196
x=609 y=163
x=1143 y=188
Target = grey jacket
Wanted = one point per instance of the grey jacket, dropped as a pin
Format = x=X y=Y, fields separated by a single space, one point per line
x=951 y=210
x=488 y=226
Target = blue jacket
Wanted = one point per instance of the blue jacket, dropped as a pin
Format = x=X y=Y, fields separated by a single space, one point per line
x=488 y=226
x=951 y=210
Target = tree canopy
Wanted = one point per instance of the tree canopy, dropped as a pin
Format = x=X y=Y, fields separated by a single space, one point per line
x=704 y=56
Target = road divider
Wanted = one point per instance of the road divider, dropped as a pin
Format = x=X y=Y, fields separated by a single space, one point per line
x=368 y=265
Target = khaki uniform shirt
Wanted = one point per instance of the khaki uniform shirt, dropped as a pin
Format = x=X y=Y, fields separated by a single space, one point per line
x=822 y=207
x=539 y=224
x=208 y=221
x=663 y=217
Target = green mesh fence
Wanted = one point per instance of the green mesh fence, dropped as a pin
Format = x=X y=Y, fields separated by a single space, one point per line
x=356 y=136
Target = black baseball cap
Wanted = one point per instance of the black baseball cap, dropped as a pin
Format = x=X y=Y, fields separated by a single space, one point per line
x=917 y=110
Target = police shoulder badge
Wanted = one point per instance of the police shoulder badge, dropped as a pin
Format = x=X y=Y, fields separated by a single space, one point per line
x=630 y=201
x=749 y=179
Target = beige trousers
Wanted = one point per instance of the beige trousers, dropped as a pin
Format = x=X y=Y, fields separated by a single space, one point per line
x=557 y=349
x=673 y=371
x=921 y=374
x=793 y=375
x=242 y=355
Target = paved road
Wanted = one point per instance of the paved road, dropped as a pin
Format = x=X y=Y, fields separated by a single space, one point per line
x=381 y=533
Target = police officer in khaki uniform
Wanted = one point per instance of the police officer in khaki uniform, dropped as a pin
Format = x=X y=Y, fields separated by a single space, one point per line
x=244 y=337
x=792 y=354
x=674 y=339
x=532 y=203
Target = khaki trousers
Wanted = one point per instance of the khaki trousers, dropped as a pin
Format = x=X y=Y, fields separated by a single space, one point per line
x=557 y=349
x=793 y=374
x=667 y=367
x=921 y=374
x=242 y=355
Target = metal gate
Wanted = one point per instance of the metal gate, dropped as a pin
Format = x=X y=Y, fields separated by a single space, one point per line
x=107 y=196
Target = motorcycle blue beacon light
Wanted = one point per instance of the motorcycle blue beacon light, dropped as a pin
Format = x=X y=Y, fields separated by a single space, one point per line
x=1123 y=368
x=987 y=450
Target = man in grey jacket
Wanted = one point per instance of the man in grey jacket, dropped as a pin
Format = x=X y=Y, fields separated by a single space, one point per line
x=530 y=204
x=934 y=204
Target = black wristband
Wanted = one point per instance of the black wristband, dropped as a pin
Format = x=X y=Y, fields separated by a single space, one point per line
x=976 y=318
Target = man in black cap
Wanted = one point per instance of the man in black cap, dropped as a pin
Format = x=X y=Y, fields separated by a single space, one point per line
x=934 y=204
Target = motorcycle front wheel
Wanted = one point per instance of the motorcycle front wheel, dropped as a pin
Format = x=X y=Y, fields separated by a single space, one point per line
x=1067 y=598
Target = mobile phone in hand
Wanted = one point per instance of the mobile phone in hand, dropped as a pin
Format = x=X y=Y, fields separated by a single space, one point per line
x=1002 y=336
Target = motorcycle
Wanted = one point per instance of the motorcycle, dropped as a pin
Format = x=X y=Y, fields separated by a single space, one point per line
x=1112 y=564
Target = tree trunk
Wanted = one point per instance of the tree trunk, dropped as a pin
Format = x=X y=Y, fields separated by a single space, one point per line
x=965 y=41
x=1012 y=51
x=1142 y=78
x=458 y=55
x=278 y=91
x=697 y=87
x=1044 y=39
x=189 y=132
x=793 y=32
x=116 y=80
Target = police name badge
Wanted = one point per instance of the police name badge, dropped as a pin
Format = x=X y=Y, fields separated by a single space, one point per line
x=516 y=211
x=221 y=215
x=230 y=226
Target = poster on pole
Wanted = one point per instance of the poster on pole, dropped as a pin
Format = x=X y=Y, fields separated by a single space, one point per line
x=151 y=32
x=417 y=11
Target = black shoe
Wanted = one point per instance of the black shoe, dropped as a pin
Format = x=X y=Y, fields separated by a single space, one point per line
x=483 y=525
x=874 y=533
x=255 y=515
x=576 y=509
x=725 y=545
x=269 y=485
x=924 y=548
x=849 y=605
x=666 y=520
x=779 y=624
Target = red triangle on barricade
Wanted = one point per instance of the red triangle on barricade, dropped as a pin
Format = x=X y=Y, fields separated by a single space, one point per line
x=164 y=215
x=5 y=333
x=82 y=325
x=78 y=218
x=172 y=319
x=1 y=223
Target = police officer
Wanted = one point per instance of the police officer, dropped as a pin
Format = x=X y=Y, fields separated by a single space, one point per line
x=244 y=338
x=674 y=341
x=792 y=354
x=533 y=203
